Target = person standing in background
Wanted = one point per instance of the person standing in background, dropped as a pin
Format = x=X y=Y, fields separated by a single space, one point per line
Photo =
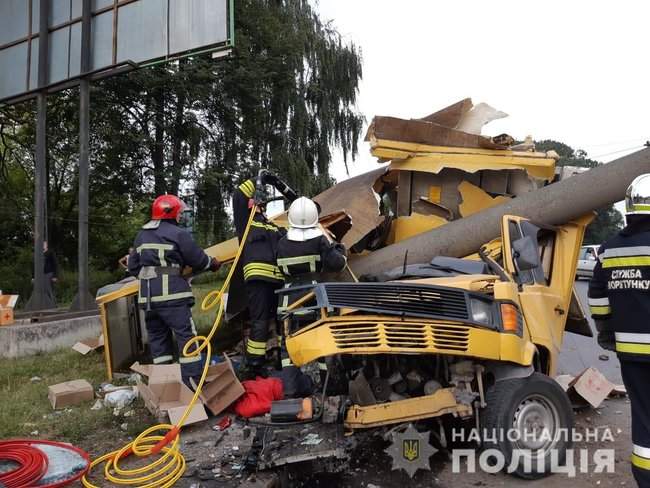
x=51 y=271
x=124 y=261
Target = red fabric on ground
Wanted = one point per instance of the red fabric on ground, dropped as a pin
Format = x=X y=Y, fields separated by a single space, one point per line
x=260 y=393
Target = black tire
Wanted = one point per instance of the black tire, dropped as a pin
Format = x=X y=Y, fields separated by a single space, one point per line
x=525 y=404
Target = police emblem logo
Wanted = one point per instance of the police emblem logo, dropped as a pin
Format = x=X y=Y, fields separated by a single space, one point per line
x=411 y=450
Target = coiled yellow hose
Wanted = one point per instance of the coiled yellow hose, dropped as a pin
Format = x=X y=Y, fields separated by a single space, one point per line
x=170 y=466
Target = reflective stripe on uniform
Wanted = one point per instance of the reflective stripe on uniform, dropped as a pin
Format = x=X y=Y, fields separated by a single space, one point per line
x=193 y=359
x=257 y=348
x=163 y=359
x=262 y=269
x=247 y=188
x=264 y=226
x=631 y=337
x=311 y=259
x=626 y=256
x=641 y=457
x=161 y=248
x=171 y=296
x=632 y=343
x=599 y=306
x=600 y=310
x=165 y=285
x=629 y=261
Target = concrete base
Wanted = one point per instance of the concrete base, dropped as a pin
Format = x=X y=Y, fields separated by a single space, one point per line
x=32 y=338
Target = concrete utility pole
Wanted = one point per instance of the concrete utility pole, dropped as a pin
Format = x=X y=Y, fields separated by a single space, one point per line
x=39 y=299
x=554 y=204
x=83 y=300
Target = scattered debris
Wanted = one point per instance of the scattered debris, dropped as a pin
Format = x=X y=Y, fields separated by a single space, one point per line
x=224 y=423
x=120 y=398
x=36 y=379
x=98 y=405
x=311 y=440
x=87 y=346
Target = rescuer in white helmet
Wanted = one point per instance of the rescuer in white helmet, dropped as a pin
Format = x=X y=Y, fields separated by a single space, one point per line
x=303 y=254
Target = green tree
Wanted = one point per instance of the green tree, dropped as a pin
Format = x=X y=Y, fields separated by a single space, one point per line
x=283 y=100
x=608 y=220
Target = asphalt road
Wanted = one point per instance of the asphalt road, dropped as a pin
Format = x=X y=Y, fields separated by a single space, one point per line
x=581 y=352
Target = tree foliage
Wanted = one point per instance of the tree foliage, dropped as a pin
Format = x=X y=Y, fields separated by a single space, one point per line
x=283 y=100
x=608 y=220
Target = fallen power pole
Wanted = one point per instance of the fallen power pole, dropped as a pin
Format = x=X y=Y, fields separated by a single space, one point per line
x=554 y=204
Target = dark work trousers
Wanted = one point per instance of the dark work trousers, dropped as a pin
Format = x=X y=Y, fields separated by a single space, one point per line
x=262 y=308
x=635 y=376
x=161 y=322
x=296 y=383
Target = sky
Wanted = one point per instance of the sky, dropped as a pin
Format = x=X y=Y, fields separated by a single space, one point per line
x=574 y=71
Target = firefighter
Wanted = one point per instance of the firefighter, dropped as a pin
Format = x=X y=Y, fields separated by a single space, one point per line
x=303 y=254
x=162 y=250
x=619 y=301
x=261 y=274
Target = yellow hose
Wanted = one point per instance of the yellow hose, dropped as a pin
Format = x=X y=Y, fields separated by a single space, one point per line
x=170 y=466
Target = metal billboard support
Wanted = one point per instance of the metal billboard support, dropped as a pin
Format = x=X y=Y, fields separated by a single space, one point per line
x=83 y=300
x=40 y=299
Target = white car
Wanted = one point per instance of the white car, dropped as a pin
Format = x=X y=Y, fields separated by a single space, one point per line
x=587 y=261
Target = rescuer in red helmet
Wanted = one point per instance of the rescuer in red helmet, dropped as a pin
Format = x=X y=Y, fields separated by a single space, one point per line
x=162 y=250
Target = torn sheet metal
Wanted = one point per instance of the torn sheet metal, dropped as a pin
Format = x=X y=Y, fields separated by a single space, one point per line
x=433 y=159
x=404 y=227
x=356 y=198
x=458 y=125
x=423 y=132
x=477 y=117
x=450 y=116
x=475 y=199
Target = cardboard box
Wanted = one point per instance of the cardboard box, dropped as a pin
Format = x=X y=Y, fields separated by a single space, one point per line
x=89 y=345
x=590 y=386
x=7 y=305
x=221 y=387
x=166 y=392
x=70 y=393
x=6 y=316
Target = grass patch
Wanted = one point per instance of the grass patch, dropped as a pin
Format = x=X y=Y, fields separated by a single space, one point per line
x=203 y=320
x=25 y=408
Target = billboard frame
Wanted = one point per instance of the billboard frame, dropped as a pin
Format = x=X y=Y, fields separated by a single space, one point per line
x=40 y=298
x=113 y=69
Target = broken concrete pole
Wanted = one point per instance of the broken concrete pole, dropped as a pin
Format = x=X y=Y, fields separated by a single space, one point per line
x=554 y=204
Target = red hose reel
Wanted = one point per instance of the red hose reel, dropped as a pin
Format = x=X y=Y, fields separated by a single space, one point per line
x=34 y=464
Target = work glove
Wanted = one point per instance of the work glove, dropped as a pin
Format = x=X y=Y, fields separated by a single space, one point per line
x=214 y=265
x=607 y=340
x=265 y=177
